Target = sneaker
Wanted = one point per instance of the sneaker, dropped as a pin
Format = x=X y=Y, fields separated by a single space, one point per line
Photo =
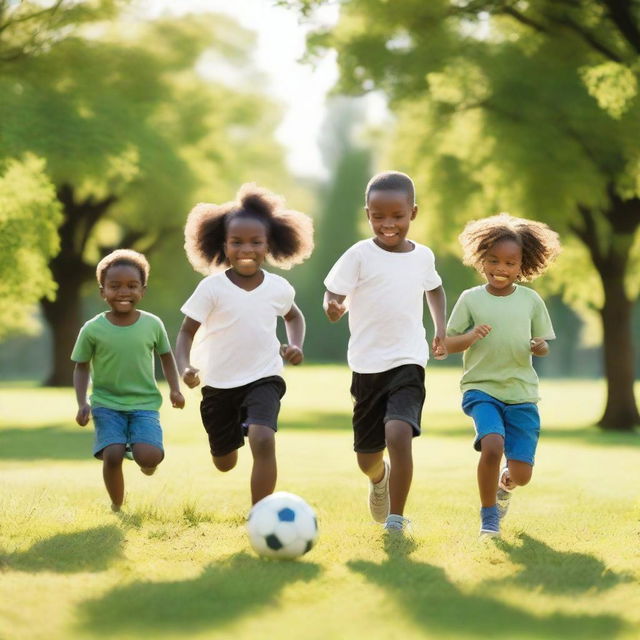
x=379 y=497
x=128 y=451
x=505 y=481
x=503 y=499
x=396 y=524
x=490 y=518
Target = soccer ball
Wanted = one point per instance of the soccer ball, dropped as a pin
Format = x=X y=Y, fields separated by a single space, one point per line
x=282 y=525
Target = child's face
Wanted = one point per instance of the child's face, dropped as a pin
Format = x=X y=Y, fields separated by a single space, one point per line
x=390 y=213
x=501 y=266
x=246 y=245
x=122 y=288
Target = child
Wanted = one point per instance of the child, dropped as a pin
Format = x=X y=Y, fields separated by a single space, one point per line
x=498 y=326
x=385 y=279
x=236 y=314
x=119 y=346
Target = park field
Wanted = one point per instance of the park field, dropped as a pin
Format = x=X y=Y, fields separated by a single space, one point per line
x=176 y=562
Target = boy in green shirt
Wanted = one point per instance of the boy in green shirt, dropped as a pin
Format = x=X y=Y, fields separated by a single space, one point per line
x=499 y=326
x=117 y=349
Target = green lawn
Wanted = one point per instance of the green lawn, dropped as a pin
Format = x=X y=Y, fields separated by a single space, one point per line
x=177 y=563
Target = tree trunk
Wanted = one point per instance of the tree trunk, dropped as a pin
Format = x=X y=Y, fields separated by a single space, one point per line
x=621 y=412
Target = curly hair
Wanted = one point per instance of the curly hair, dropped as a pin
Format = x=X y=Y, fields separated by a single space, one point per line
x=391 y=181
x=540 y=244
x=289 y=233
x=123 y=257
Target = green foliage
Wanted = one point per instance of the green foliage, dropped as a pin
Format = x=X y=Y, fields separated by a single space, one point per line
x=29 y=219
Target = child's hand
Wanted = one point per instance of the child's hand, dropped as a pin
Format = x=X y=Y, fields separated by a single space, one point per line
x=177 y=399
x=83 y=415
x=539 y=346
x=291 y=353
x=439 y=348
x=480 y=331
x=190 y=377
x=335 y=310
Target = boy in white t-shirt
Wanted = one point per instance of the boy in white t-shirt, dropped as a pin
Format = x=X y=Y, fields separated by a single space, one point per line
x=235 y=313
x=385 y=279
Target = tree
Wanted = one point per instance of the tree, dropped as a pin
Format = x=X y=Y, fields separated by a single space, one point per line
x=526 y=106
x=132 y=136
x=29 y=219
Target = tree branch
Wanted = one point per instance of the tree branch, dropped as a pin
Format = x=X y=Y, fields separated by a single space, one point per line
x=621 y=15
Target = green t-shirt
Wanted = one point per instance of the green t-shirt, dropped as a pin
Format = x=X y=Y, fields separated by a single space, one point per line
x=122 y=361
x=500 y=364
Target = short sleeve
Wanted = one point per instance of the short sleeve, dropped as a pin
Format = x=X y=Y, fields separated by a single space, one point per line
x=162 y=339
x=460 y=320
x=343 y=277
x=432 y=279
x=84 y=347
x=285 y=298
x=541 y=326
x=201 y=303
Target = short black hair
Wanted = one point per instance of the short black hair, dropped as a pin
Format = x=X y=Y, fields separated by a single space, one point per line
x=126 y=257
x=391 y=181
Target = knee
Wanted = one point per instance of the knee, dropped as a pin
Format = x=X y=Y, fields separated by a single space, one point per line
x=112 y=456
x=398 y=435
x=147 y=456
x=491 y=450
x=521 y=476
x=262 y=443
x=225 y=463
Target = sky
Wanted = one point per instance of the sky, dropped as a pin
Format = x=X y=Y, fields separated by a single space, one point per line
x=301 y=88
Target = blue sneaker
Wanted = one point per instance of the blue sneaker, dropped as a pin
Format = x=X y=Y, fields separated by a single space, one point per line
x=395 y=524
x=490 y=518
x=503 y=499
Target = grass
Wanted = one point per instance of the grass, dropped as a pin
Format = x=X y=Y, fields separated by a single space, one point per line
x=176 y=562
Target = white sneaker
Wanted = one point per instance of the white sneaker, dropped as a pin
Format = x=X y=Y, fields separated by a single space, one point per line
x=503 y=496
x=379 y=496
x=505 y=480
x=395 y=524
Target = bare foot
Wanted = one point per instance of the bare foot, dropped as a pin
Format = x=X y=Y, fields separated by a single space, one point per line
x=115 y=507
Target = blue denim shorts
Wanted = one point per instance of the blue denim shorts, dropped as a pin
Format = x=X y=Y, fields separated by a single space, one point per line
x=518 y=424
x=125 y=427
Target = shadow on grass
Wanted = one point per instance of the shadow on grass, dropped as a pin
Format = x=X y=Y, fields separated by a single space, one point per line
x=558 y=571
x=89 y=550
x=223 y=593
x=54 y=442
x=440 y=607
x=590 y=435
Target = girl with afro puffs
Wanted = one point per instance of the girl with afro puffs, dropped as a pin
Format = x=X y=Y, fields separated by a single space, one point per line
x=499 y=326
x=235 y=313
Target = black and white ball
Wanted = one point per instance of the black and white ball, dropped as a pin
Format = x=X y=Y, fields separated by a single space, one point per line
x=282 y=525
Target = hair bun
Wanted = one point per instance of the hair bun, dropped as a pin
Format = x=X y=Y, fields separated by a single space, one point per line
x=258 y=200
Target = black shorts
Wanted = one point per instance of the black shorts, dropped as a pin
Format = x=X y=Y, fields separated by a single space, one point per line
x=227 y=413
x=397 y=394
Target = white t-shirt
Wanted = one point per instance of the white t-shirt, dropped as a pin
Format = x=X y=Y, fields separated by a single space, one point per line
x=385 y=292
x=236 y=342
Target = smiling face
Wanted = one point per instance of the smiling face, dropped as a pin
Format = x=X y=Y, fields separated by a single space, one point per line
x=501 y=266
x=390 y=213
x=122 y=288
x=246 y=245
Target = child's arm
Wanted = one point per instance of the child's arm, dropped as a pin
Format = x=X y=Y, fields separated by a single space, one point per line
x=173 y=379
x=437 y=301
x=81 y=384
x=183 y=352
x=456 y=344
x=539 y=346
x=333 y=305
x=295 y=326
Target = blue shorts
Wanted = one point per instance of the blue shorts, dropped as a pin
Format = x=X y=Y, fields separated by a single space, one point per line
x=125 y=427
x=518 y=424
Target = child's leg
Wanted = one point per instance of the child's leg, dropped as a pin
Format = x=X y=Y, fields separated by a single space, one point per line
x=372 y=465
x=399 y=435
x=147 y=456
x=225 y=462
x=265 y=471
x=112 y=457
x=519 y=473
x=492 y=447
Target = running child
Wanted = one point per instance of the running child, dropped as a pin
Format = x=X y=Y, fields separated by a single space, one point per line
x=385 y=279
x=499 y=326
x=116 y=349
x=235 y=313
